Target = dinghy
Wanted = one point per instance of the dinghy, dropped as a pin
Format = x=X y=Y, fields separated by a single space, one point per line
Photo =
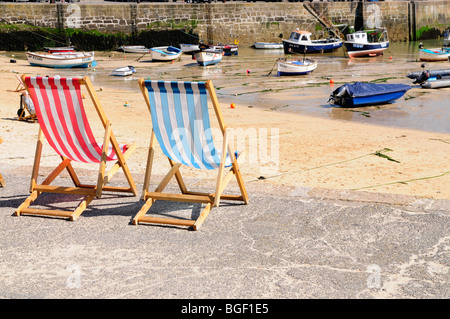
x=134 y=49
x=165 y=53
x=124 y=71
x=268 y=46
x=297 y=67
x=62 y=60
x=364 y=94
x=208 y=57
x=434 y=55
x=189 y=48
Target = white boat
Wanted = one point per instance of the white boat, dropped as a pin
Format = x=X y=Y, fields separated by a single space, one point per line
x=297 y=67
x=124 y=71
x=166 y=53
x=268 y=46
x=300 y=42
x=189 y=48
x=208 y=57
x=134 y=49
x=62 y=60
x=367 y=43
x=436 y=83
x=434 y=55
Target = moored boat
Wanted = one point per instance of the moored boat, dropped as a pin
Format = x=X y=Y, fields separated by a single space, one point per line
x=227 y=49
x=300 y=42
x=268 y=46
x=297 y=67
x=165 y=53
x=367 y=43
x=189 y=48
x=61 y=60
x=124 y=71
x=208 y=57
x=134 y=49
x=432 y=73
x=434 y=55
x=364 y=94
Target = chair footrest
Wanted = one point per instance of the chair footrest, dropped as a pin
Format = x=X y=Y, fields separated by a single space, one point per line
x=168 y=221
x=45 y=212
x=179 y=197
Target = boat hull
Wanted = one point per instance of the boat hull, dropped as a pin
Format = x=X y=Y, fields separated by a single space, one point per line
x=205 y=58
x=134 y=49
x=125 y=71
x=434 y=55
x=292 y=47
x=268 y=46
x=436 y=84
x=165 y=53
x=189 y=48
x=295 y=67
x=373 y=100
x=365 y=50
x=61 y=61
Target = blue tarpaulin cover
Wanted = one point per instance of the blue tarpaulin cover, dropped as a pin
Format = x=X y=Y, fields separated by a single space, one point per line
x=362 y=89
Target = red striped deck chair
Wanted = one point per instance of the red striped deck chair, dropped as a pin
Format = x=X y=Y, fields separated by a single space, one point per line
x=181 y=126
x=64 y=124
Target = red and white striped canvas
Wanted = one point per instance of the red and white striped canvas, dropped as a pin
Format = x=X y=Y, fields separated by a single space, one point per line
x=63 y=120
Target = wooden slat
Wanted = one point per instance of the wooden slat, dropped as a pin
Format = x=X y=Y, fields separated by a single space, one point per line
x=46 y=212
x=167 y=221
x=179 y=197
x=202 y=216
x=65 y=190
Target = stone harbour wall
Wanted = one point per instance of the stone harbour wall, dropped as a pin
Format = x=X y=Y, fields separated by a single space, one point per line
x=248 y=22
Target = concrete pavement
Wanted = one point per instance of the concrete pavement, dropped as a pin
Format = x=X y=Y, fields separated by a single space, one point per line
x=287 y=243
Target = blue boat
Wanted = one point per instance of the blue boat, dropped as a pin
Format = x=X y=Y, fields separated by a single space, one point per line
x=300 y=42
x=364 y=94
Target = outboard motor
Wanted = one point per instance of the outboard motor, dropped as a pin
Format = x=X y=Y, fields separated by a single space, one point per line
x=425 y=75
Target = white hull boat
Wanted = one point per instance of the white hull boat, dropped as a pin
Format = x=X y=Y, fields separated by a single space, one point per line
x=268 y=46
x=167 y=53
x=358 y=44
x=208 y=57
x=434 y=55
x=189 y=48
x=298 y=67
x=61 y=60
x=134 y=49
x=124 y=71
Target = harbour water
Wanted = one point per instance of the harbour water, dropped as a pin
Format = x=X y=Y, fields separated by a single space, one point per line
x=250 y=80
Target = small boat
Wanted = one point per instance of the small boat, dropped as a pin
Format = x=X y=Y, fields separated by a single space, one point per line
x=189 y=48
x=436 y=83
x=59 y=49
x=297 y=67
x=134 y=49
x=208 y=57
x=433 y=80
x=62 y=60
x=268 y=46
x=433 y=55
x=364 y=94
x=165 y=53
x=366 y=43
x=300 y=42
x=227 y=49
x=124 y=71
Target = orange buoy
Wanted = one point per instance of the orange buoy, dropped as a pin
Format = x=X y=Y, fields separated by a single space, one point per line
x=233 y=105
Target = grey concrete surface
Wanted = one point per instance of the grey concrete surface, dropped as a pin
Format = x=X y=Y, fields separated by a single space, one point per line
x=287 y=243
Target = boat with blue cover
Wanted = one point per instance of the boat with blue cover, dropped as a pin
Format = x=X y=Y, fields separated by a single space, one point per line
x=364 y=94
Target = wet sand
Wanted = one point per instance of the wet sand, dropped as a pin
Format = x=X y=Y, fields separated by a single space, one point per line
x=400 y=148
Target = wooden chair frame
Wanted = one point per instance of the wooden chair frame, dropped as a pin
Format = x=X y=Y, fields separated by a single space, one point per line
x=88 y=191
x=210 y=199
x=30 y=116
x=2 y=180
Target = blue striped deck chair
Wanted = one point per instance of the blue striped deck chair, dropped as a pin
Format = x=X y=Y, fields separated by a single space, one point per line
x=181 y=126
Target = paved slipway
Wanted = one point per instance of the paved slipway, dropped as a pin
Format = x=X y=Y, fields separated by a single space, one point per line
x=294 y=243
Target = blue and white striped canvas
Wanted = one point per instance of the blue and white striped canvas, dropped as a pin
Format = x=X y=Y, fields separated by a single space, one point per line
x=180 y=117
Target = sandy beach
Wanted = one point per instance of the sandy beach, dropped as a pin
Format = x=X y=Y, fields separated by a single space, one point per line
x=309 y=151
